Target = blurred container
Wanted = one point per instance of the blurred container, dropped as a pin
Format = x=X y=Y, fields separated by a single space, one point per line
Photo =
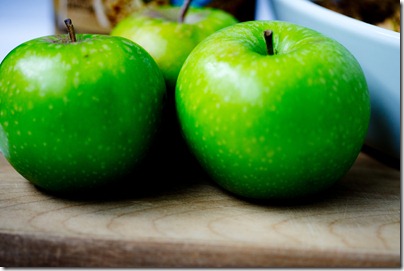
x=96 y=16
x=100 y=16
x=242 y=10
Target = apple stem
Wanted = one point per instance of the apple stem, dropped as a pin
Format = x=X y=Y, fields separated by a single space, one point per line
x=268 y=34
x=70 y=29
x=184 y=10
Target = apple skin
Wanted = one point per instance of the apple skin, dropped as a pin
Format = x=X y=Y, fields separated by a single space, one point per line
x=75 y=116
x=273 y=127
x=169 y=42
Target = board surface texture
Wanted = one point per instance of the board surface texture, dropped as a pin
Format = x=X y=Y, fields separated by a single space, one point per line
x=194 y=223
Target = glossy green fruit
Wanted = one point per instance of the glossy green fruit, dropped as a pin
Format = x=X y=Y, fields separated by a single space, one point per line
x=77 y=115
x=279 y=126
x=169 y=41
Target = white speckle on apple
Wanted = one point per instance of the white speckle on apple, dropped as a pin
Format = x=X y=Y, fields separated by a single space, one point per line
x=74 y=60
x=16 y=108
x=76 y=79
x=57 y=46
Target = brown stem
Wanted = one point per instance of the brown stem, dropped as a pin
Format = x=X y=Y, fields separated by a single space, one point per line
x=184 y=10
x=268 y=34
x=70 y=29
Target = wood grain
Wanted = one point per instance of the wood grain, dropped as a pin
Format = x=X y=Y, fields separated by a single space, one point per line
x=196 y=224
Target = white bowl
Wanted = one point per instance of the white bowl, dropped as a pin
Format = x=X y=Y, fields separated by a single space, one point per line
x=376 y=49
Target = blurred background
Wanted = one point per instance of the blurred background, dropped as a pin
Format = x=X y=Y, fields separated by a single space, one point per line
x=22 y=20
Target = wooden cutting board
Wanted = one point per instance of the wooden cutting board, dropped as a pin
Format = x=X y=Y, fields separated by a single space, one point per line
x=196 y=224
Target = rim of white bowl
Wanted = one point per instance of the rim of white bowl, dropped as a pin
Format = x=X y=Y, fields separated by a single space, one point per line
x=356 y=25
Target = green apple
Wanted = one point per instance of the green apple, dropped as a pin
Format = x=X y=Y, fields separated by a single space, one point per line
x=75 y=114
x=280 y=118
x=170 y=33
